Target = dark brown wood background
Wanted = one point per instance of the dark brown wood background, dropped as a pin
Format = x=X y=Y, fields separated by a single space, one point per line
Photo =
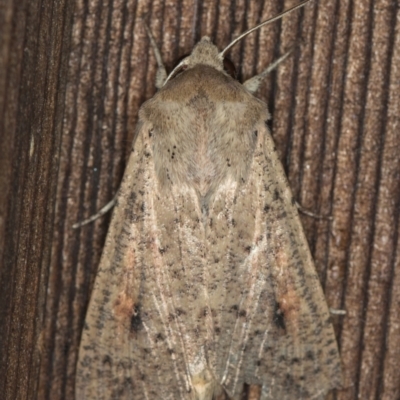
x=72 y=77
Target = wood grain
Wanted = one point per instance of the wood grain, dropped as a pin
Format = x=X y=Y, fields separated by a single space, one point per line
x=72 y=78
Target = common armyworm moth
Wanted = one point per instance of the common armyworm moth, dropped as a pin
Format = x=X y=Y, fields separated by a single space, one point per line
x=206 y=281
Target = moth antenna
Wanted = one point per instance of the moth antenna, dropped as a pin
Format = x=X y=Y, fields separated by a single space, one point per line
x=173 y=71
x=161 y=72
x=311 y=214
x=337 y=311
x=268 y=21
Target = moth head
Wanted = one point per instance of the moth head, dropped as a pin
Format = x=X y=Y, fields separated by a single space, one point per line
x=204 y=53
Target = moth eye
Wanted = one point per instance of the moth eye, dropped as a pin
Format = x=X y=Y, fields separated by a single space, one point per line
x=229 y=67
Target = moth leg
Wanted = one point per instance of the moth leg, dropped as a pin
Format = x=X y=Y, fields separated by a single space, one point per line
x=99 y=214
x=337 y=311
x=161 y=75
x=311 y=214
x=253 y=83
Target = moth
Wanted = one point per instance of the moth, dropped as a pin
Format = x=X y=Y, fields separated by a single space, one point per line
x=206 y=281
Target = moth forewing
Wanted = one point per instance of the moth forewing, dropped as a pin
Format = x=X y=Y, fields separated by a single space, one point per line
x=206 y=281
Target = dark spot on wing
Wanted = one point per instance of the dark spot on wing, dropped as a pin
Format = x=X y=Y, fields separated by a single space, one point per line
x=332 y=352
x=310 y=355
x=279 y=317
x=282 y=215
x=159 y=337
x=136 y=320
x=179 y=312
x=107 y=360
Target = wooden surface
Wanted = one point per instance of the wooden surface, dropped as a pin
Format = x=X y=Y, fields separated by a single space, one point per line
x=72 y=78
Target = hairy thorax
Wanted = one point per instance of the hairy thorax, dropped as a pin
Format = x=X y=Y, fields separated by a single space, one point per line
x=204 y=130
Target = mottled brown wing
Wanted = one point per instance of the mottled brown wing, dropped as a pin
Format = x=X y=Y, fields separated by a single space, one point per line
x=271 y=322
x=132 y=345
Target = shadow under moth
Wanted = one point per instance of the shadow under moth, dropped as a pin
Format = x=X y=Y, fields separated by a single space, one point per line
x=206 y=281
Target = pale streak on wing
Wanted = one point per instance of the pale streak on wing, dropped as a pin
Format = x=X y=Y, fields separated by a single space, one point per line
x=247 y=306
x=171 y=257
x=189 y=284
x=229 y=243
x=246 y=278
